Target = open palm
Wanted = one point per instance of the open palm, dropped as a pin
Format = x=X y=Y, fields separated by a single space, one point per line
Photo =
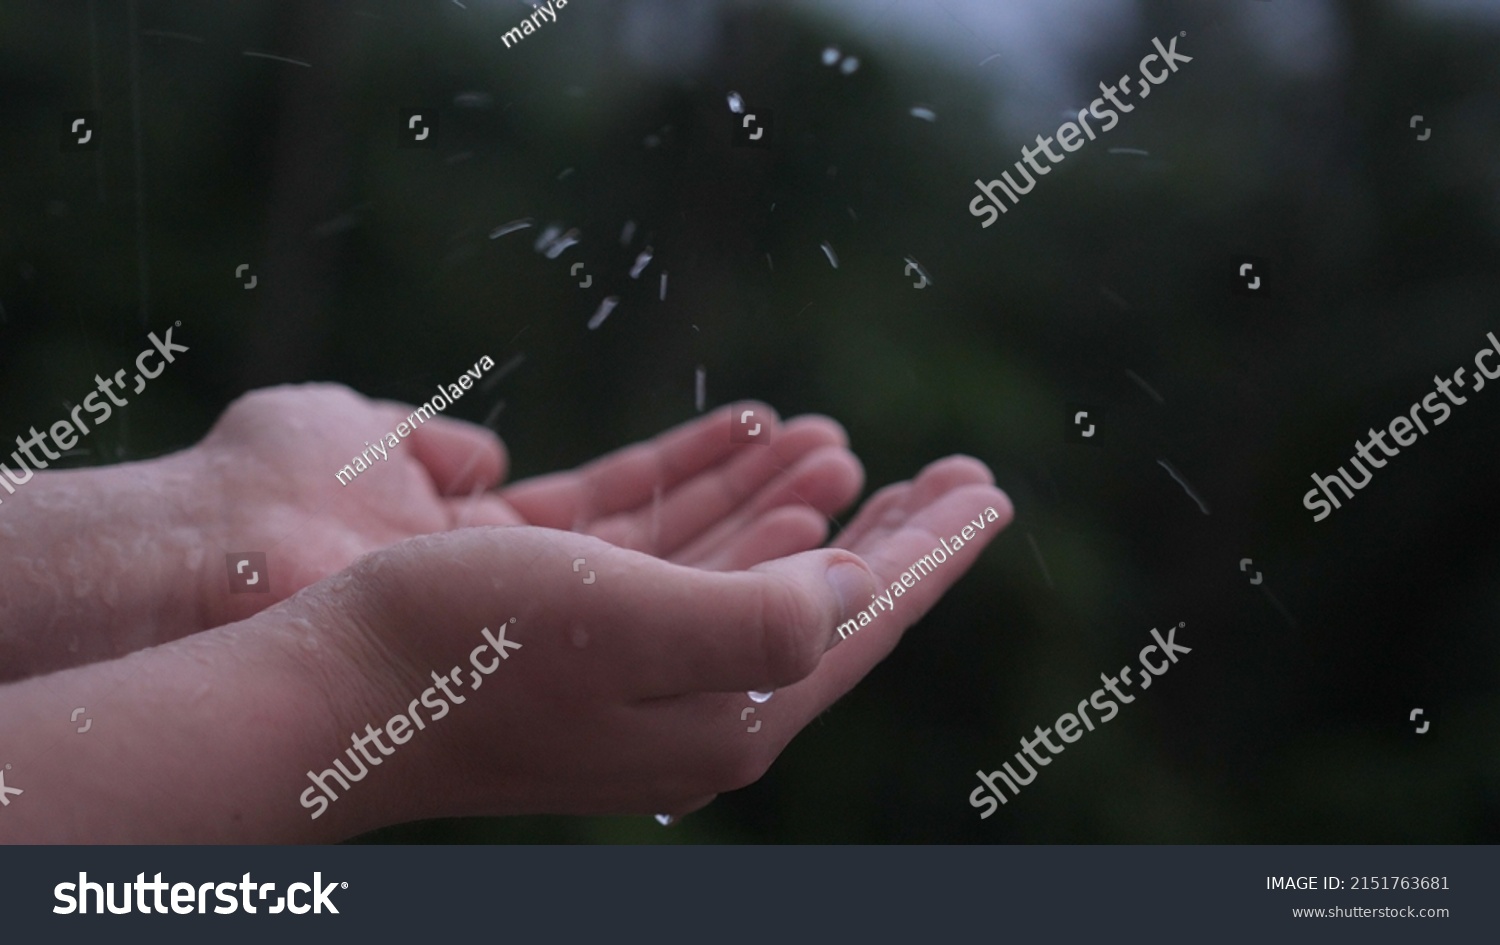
x=689 y=495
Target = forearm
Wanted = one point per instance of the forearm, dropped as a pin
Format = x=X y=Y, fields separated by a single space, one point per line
x=95 y=563
x=206 y=740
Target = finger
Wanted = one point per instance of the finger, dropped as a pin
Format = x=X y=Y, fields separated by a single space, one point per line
x=629 y=478
x=825 y=482
x=705 y=500
x=459 y=456
x=480 y=508
x=777 y=533
x=707 y=631
x=896 y=506
x=664 y=527
x=886 y=502
x=903 y=551
x=717 y=722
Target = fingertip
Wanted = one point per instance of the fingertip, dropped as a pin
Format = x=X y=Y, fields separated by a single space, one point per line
x=829 y=428
x=958 y=469
x=460 y=456
x=1003 y=507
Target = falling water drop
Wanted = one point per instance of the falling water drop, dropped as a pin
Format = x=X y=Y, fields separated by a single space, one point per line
x=605 y=307
x=760 y=696
x=552 y=232
x=569 y=238
x=510 y=227
x=736 y=104
x=831 y=55
x=641 y=262
x=664 y=819
x=849 y=65
x=833 y=259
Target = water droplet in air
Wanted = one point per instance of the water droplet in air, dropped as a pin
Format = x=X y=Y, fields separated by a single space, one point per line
x=569 y=238
x=605 y=307
x=736 y=104
x=833 y=258
x=552 y=232
x=849 y=65
x=641 y=262
x=664 y=819
x=510 y=227
x=760 y=696
x=831 y=55
x=921 y=271
x=924 y=113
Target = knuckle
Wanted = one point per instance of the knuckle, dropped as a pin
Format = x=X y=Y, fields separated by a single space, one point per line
x=790 y=649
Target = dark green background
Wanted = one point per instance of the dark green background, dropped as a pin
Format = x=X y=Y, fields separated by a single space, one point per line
x=374 y=269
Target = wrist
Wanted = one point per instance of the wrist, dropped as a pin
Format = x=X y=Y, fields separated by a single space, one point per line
x=105 y=552
x=205 y=740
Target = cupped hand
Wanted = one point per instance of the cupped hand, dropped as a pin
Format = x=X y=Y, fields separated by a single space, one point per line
x=690 y=495
x=626 y=693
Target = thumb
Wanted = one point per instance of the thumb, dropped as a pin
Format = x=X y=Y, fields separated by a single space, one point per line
x=759 y=629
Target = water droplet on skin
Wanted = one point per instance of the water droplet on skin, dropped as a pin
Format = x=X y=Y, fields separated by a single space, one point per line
x=664 y=819
x=831 y=55
x=760 y=696
x=736 y=104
